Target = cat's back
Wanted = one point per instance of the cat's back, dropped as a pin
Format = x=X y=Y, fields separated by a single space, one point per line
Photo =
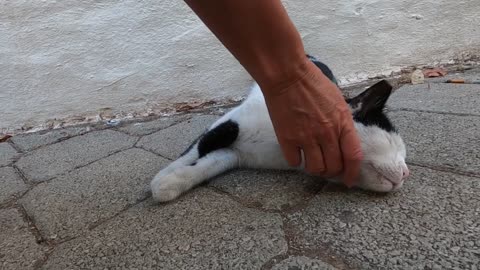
x=252 y=114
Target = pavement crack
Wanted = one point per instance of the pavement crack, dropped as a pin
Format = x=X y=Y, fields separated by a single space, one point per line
x=41 y=262
x=33 y=184
x=126 y=208
x=102 y=158
x=157 y=154
x=444 y=169
x=295 y=249
x=273 y=261
x=115 y=82
x=146 y=120
x=245 y=203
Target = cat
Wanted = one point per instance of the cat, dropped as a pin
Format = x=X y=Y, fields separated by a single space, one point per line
x=244 y=138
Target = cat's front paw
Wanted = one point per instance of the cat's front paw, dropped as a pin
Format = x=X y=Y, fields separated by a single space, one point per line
x=166 y=188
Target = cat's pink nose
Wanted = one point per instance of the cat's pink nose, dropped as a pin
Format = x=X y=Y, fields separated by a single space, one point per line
x=406 y=172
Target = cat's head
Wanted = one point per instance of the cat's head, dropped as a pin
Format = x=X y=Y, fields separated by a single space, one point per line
x=383 y=167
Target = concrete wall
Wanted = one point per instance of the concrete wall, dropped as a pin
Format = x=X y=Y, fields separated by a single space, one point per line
x=71 y=59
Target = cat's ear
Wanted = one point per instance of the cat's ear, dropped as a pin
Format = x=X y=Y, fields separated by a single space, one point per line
x=372 y=99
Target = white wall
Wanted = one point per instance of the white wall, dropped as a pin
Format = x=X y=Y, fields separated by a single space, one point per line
x=71 y=59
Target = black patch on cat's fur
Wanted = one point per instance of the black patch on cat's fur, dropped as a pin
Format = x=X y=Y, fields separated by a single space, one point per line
x=376 y=118
x=221 y=136
x=372 y=104
x=324 y=68
x=191 y=145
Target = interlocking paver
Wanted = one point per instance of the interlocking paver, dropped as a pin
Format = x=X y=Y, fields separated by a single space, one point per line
x=7 y=154
x=29 y=141
x=11 y=184
x=432 y=223
x=47 y=162
x=202 y=230
x=277 y=190
x=68 y=205
x=18 y=248
x=448 y=141
x=145 y=128
x=172 y=141
x=438 y=97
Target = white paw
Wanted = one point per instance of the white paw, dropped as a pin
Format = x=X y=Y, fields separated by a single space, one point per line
x=167 y=187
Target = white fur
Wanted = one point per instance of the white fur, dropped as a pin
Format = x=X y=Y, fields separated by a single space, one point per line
x=383 y=168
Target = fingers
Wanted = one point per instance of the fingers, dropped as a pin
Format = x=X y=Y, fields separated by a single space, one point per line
x=314 y=163
x=292 y=154
x=352 y=155
x=332 y=155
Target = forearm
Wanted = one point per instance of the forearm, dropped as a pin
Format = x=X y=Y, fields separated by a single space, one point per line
x=259 y=34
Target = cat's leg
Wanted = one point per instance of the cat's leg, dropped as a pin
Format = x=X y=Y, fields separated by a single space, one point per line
x=170 y=186
x=187 y=158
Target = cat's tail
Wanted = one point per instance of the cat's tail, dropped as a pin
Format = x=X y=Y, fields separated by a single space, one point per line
x=182 y=175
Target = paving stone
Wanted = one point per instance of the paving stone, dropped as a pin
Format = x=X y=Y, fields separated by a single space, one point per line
x=302 y=263
x=441 y=140
x=447 y=98
x=201 y=230
x=278 y=190
x=47 y=162
x=70 y=204
x=7 y=154
x=172 y=141
x=10 y=184
x=18 y=248
x=432 y=223
x=30 y=141
x=145 y=128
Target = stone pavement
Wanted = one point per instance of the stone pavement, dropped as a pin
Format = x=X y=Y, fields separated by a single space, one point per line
x=75 y=199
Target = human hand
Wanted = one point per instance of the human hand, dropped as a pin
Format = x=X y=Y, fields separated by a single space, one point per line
x=311 y=115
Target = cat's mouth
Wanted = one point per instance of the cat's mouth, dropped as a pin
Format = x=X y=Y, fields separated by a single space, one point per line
x=385 y=178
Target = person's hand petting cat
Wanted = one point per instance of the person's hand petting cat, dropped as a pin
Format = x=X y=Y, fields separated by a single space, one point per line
x=311 y=114
x=307 y=111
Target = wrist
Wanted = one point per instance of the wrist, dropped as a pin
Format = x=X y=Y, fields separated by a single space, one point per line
x=285 y=78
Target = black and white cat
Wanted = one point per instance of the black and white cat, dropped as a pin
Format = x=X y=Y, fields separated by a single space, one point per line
x=244 y=137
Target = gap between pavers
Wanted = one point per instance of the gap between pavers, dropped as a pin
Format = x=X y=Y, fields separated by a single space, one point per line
x=47 y=162
x=172 y=141
x=70 y=204
x=29 y=141
x=149 y=127
x=18 y=248
x=8 y=154
x=11 y=184
x=201 y=230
